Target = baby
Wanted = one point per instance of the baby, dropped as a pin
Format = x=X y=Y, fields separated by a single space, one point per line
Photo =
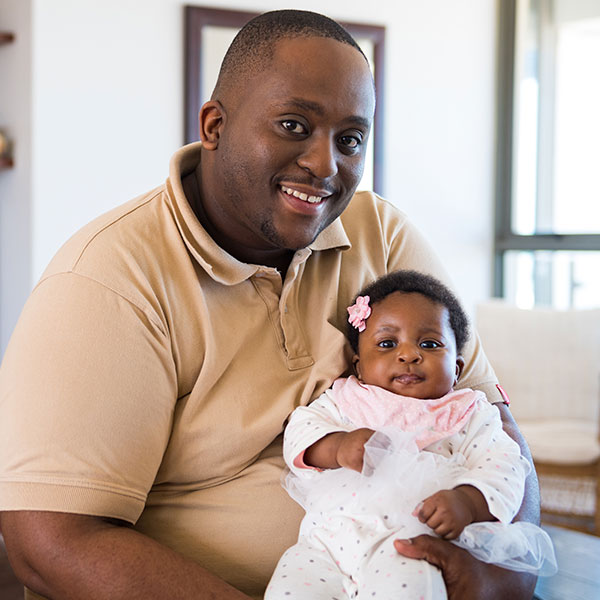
x=395 y=452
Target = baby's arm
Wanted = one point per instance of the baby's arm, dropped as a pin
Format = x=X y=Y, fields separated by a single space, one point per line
x=448 y=512
x=491 y=488
x=495 y=465
x=312 y=436
x=339 y=449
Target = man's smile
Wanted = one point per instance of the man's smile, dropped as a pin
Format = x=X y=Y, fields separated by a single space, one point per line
x=305 y=193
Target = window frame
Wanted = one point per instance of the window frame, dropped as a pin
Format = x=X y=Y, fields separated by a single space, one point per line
x=504 y=237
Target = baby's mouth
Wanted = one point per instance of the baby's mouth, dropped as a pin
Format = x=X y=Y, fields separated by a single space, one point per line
x=408 y=378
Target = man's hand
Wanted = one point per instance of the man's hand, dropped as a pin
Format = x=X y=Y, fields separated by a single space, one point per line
x=467 y=578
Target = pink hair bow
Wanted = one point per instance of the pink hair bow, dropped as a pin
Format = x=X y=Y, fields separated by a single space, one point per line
x=359 y=312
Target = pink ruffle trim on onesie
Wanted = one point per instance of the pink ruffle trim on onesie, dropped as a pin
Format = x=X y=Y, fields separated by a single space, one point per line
x=300 y=464
x=373 y=407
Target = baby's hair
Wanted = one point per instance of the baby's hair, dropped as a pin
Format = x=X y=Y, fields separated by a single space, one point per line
x=408 y=282
x=253 y=47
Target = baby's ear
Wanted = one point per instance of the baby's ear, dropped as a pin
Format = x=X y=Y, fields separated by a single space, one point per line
x=356 y=365
x=460 y=365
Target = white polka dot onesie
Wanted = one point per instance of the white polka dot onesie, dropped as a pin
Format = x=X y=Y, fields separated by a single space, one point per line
x=345 y=546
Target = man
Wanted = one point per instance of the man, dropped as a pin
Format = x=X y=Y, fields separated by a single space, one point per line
x=148 y=380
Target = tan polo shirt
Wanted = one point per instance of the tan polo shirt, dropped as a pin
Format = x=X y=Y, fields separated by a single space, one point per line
x=151 y=373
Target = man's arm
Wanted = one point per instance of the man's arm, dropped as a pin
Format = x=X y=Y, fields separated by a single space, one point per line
x=467 y=578
x=59 y=555
x=530 y=507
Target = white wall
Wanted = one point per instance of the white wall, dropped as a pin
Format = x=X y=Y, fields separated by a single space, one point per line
x=107 y=112
x=440 y=130
x=15 y=184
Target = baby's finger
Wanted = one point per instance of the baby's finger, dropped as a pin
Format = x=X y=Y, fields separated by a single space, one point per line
x=443 y=529
x=452 y=534
x=355 y=463
x=426 y=510
x=434 y=521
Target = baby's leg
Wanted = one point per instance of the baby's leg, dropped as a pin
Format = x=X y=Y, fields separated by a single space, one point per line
x=306 y=572
x=386 y=575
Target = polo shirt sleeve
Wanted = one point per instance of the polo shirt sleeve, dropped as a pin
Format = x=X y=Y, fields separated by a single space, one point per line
x=410 y=250
x=88 y=388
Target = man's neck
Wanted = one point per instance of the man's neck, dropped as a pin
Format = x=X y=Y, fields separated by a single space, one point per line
x=276 y=258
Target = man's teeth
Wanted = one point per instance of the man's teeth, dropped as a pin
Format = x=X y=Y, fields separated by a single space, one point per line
x=301 y=195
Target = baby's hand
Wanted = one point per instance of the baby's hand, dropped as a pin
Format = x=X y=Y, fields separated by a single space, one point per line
x=351 y=449
x=447 y=512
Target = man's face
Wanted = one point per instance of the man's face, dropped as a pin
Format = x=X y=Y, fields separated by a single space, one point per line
x=408 y=347
x=291 y=147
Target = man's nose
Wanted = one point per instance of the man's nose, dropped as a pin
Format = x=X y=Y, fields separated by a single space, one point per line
x=319 y=157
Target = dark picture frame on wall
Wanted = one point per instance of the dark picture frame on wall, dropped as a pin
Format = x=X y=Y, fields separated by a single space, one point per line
x=198 y=19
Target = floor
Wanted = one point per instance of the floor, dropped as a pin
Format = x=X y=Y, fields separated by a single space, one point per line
x=578 y=558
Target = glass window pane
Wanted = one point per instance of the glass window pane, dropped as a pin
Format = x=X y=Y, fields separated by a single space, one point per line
x=524 y=192
x=561 y=279
x=577 y=127
x=556 y=153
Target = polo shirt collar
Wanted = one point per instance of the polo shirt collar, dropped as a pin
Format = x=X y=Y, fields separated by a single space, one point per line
x=218 y=263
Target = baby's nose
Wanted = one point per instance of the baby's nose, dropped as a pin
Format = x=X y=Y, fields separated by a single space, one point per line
x=408 y=353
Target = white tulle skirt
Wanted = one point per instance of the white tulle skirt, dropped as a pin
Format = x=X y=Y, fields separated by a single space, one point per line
x=395 y=478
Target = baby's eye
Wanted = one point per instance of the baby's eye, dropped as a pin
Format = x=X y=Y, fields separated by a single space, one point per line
x=387 y=344
x=293 y=126
x=430 y=344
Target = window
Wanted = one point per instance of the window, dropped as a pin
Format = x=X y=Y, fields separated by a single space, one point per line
x=547 y=238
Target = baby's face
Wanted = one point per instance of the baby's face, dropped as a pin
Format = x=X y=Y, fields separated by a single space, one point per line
x=408 y=347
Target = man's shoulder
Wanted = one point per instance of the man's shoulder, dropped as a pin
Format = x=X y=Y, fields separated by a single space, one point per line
x=369 y=205
x=369 y=216
x=132 y=225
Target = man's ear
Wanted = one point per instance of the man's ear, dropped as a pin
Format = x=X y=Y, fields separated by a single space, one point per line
x=460 y=365
x=211 y=119
x=356 y=365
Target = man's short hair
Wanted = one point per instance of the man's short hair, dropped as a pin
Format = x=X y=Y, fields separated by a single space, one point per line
x=407 y=282
x=253 y=47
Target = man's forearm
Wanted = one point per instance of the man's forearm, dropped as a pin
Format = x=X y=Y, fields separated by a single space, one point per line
x=530 y=508
x=75 y=556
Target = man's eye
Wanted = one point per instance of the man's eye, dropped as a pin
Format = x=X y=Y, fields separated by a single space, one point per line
x=350 y=141
x=293 y=126
x=430 y=344
x=387 y=344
